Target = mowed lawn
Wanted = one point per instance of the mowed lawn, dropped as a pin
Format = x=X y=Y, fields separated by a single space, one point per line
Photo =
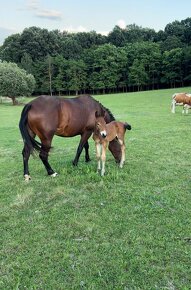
x=130 y=229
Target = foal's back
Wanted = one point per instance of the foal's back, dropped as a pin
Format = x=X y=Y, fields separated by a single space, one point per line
x=115 y=129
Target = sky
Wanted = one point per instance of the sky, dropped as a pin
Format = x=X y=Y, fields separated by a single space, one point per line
x=86 y=15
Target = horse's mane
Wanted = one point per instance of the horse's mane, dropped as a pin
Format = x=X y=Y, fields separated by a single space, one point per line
x=112 y=118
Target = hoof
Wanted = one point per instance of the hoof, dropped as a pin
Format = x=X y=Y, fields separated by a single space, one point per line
x=27 y=177
x=75 y=163
x=54 y=174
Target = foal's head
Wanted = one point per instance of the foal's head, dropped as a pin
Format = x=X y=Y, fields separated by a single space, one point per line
x=100 y=124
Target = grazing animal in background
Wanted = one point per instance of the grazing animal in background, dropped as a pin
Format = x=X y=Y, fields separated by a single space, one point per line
x=181 y=99
x=47 y=116
x=186 y=107
x=105 y=133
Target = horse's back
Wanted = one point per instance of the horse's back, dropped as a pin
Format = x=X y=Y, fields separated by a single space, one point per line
x=77 y=115
x=65 y=117
x=43 y=115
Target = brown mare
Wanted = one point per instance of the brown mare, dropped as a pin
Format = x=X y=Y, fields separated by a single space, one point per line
x=105 y=133
x=47 y=116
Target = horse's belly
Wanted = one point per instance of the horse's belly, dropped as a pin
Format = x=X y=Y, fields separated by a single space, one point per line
x=67 y=132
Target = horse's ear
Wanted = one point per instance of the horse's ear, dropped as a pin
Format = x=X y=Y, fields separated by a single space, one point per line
x=103 y=112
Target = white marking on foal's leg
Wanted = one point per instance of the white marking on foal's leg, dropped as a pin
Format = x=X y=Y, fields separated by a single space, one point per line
x=98 y=154
x=27 y=177
x=103 y=158
x=54 y=174
x=122 y=156
x=103 y=168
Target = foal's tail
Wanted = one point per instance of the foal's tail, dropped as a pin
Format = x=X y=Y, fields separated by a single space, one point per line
x=127 y=126
x=23 y=126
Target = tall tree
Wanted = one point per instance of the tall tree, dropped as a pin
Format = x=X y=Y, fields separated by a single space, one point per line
x=173 y=67
x=11 y=50
x=15 y=82
x=137 y=75
x=27 y=63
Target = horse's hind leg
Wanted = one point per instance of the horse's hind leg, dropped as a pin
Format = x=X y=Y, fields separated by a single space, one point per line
x=46 y=145
x=87 y=157
x=26 y=155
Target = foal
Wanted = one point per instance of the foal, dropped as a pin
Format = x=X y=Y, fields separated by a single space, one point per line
x=105 y=133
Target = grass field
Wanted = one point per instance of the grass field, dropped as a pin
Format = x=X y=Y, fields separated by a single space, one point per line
x=130 y=229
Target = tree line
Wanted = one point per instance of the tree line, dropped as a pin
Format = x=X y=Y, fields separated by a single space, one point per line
x=130 y=59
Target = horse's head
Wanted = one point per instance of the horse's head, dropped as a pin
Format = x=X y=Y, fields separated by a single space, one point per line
x=100 y=124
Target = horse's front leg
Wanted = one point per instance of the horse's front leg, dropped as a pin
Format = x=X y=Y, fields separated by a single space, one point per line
x=173 y=106
x=87 y=156
x=84 y=137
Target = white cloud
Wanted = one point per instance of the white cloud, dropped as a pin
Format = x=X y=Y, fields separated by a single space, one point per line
x=121 y=23
x=50 y=14
x=103 y=33
x=33 y=4
x=80 y=28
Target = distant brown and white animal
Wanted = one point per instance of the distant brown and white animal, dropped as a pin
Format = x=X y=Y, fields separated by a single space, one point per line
x=105 y=133
x=181 y=99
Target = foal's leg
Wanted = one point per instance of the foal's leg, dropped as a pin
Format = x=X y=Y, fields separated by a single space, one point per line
x=122 y=144
x=84 y=137
x=26 y=155
x=98 y=155
x=46 y=145
x=103 y=157
x=122 y=156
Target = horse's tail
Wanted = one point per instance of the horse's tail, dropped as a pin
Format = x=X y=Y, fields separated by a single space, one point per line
x=23 y=126
x=127 y=126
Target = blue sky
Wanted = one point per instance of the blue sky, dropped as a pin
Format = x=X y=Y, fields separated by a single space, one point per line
x=87 y=15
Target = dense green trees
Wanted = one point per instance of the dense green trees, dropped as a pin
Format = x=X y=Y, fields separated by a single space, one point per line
x=15 y=81
x=133 y=58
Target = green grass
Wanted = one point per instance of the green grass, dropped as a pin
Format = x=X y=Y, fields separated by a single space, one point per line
x=130 y=229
